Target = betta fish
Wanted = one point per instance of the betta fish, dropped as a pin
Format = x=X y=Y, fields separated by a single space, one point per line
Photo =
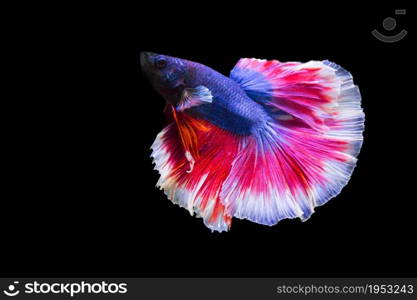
x=270 y=142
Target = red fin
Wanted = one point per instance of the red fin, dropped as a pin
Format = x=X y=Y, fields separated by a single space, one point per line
x=195 y=187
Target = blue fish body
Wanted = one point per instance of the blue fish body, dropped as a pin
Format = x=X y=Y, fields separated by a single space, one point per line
x=231 y=109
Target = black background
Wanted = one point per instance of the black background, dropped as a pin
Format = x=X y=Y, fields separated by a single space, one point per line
x=84 y=201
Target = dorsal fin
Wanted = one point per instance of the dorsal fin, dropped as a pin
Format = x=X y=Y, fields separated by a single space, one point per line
x=306 y=91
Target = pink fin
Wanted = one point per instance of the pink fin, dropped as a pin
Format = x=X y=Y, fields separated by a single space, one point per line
x=307 y=153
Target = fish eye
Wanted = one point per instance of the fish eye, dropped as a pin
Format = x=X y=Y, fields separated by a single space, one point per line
x=160 y=63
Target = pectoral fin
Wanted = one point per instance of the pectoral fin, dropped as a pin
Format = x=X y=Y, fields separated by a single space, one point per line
x=193 y=97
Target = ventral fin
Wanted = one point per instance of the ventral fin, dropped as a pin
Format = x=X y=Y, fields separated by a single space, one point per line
x=193 y=97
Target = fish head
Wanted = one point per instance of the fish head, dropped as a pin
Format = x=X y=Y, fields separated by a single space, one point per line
x=166 y=74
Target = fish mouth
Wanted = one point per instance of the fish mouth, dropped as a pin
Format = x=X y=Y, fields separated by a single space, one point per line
x=145 y=59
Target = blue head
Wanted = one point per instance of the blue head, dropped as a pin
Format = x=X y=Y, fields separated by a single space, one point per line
x=167 y=74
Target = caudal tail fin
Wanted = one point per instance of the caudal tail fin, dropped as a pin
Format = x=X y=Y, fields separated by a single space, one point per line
x=307 y=153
